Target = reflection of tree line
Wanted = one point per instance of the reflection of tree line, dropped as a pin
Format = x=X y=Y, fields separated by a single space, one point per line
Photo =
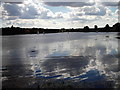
x=17 y=30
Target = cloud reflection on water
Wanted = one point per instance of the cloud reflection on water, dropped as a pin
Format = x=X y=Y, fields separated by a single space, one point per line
x=68 y=54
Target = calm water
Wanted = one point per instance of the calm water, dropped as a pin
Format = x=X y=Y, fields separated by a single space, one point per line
x=76 y=59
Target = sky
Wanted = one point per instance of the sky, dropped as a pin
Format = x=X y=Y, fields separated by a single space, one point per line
x=58 y=13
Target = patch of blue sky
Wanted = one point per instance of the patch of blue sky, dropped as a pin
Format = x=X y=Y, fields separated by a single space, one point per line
x=113 y=9
x=57 y=9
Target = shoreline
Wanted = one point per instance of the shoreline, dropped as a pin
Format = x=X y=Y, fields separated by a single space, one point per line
x=51 y=33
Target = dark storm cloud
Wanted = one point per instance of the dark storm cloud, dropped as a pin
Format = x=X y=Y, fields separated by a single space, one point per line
x=72 y=4
x=80 y=3
x=12 y=1
x=110 y=3
x=12 y=9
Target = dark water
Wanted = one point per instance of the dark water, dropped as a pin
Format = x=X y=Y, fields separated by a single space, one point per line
x=85 y=60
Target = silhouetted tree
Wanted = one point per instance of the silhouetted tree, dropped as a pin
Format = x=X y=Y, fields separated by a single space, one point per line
x=107 y=26
x=86 y=28
x=17 y=30
x=116 y=27
x=12 y=26
x=96 y=27
x=62 y=29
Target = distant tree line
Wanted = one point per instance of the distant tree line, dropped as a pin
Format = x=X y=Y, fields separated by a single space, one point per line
x=17 y=30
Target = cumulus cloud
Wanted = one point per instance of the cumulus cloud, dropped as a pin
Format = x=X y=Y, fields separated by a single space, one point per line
x=37 y=14
x=58 y=15
x=18 y=22
x=1 y=12
x=100 y=11
x=30 y=11
x=87 y=13
x=12 y=9
x=117 y=12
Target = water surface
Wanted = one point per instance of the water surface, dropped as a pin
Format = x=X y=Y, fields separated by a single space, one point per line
x=61 y=59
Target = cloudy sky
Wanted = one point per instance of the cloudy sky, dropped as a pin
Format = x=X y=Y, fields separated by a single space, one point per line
x=58 y=13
